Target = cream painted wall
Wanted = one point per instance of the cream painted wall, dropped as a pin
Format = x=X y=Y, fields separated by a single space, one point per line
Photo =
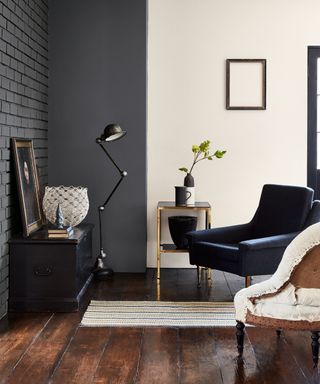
x=189 y=41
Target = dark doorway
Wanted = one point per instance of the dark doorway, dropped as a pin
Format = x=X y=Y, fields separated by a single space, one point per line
x=313 y=120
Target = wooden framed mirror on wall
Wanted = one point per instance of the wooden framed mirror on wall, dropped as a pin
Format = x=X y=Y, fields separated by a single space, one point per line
x=246 y=84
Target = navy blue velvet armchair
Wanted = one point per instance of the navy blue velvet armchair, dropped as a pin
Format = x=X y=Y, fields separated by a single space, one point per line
x=256 y=248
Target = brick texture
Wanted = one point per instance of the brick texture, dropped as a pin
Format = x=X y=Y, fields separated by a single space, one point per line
x=23 y=107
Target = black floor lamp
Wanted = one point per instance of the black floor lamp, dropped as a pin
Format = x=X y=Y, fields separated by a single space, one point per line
x=112 y=132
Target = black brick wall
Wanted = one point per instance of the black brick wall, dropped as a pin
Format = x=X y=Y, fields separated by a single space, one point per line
x=23 y=107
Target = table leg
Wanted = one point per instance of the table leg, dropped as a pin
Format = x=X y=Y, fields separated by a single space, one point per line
x=208 y=218
x=158 y=243
x=199 y=276
x=158 y=290
x=209 y=277
x=208 y=226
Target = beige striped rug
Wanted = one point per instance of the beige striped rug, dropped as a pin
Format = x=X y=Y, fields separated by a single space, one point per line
x=159 y=314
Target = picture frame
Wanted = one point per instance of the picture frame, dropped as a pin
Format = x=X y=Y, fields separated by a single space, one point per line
x=246 y=84
x=28 y=185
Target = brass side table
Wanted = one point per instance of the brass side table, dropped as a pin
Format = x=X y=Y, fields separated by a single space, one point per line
x=171 y=248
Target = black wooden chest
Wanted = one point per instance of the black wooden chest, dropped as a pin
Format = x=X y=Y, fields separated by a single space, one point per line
x=50 y=274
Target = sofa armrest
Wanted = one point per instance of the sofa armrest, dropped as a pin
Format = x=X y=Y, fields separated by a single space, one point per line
x=278 y=241
x=231 y=234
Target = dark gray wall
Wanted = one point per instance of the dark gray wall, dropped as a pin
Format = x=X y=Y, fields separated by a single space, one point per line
x=97 y=76
x=23 y=107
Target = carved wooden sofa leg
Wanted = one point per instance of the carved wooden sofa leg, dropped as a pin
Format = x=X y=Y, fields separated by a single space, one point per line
x=315 y=347
x=240 y=337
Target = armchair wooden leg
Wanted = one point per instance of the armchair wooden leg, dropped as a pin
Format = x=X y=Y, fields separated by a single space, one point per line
x=240 y=337
x=248 y=281
x=209 y=274
x=199 y=276
x=315 y=347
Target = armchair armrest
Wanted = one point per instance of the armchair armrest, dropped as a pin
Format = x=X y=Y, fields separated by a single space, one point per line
x=231 y=234
x=277 y=241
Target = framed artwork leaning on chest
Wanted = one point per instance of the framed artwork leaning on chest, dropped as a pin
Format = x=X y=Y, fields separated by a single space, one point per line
x=27 y=185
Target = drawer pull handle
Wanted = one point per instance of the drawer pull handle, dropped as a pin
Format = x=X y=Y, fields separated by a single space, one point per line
x=42 y=270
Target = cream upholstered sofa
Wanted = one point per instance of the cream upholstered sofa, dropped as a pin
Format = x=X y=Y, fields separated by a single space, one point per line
x=290 y=299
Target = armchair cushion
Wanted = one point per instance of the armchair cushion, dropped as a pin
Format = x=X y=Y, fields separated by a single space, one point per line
x=285 y=312
x=280 y=298
x=308 y=296
x=228 y=235
x=218 y=256
x=244 y=258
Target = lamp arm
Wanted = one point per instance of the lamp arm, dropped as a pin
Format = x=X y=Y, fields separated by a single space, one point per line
x=101 y=207
x=102 y=254
x=108 y=154
x=122 y=175
x=113 y=191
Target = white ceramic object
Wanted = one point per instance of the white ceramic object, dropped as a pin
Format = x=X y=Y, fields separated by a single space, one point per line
x=74 y=204
x=192 y=195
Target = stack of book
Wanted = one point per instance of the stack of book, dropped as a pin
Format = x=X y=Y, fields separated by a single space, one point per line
x=63 y=233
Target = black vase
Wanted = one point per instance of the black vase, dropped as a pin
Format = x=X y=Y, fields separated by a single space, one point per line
x=179 y=226
x=189 y=180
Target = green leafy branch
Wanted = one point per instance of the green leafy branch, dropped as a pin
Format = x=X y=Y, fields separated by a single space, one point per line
x=202 y=152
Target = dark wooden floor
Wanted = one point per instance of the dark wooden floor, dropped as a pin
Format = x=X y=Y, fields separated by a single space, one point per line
x=52 y=348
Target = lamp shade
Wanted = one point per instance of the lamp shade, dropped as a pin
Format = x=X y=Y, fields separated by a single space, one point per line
x=112 y=132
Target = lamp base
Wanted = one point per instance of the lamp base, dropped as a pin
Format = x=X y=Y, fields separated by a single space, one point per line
x=103 y=274
x=101 y=271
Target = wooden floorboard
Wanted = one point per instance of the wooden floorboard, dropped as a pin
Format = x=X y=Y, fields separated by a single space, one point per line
x=82 y=356
x=121 y=358
x=52 y=348
x=159 y=362
x=233 y=369
x=48 y=348
x=198 y=363
x=299 y=346
x=274 y=359
x=18 y=333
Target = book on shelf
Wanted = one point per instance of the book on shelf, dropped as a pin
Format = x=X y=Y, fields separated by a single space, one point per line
x=59 y=235
x=60 y=231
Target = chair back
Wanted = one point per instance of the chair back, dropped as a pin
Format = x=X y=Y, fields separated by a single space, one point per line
x=314 y=215
x=282 y=209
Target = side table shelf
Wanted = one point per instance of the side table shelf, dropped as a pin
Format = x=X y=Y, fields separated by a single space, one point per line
x=171 y=248
x=168 y=206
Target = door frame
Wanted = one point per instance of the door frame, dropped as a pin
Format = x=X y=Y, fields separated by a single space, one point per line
x=313 y=175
